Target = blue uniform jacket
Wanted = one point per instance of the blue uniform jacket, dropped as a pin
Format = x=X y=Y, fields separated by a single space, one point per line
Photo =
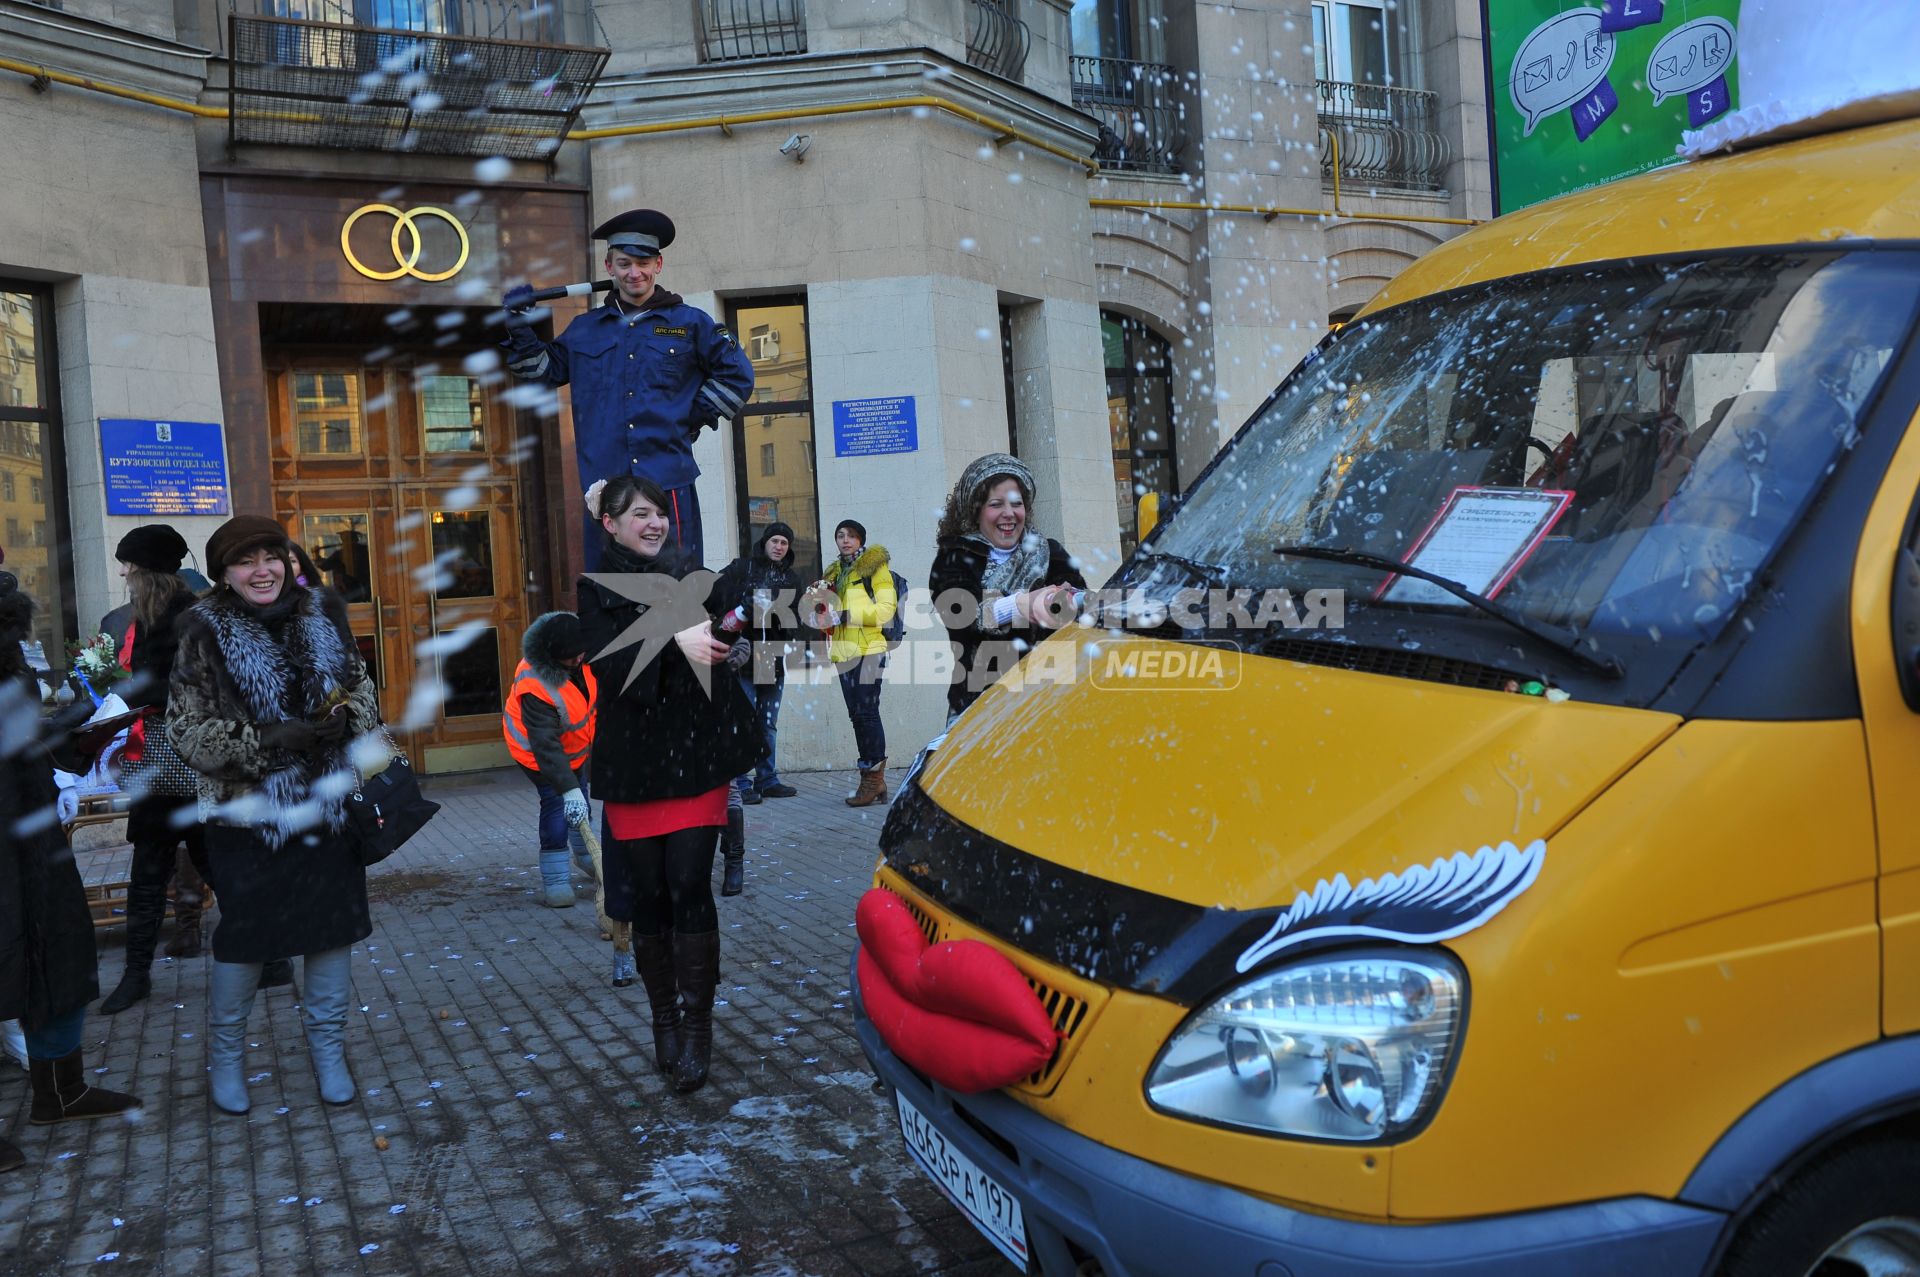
x=643 y=385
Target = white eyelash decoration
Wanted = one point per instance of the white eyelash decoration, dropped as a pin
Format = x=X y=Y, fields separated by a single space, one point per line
x=1447 y=898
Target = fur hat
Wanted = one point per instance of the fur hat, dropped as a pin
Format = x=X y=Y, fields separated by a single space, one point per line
x=153 y=546
x=552 y=640
x=243 y=533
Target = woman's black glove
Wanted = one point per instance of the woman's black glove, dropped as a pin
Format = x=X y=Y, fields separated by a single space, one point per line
x=295 y=737
x=334 y=728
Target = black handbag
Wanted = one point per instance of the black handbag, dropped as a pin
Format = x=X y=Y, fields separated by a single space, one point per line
x=387 y=810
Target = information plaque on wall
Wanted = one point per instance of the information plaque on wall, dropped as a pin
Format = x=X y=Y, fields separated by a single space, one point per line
x=872 y=427
x=163 y=467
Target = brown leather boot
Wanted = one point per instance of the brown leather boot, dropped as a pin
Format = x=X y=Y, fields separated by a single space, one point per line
x=61 y=1093
x=696 y=964
x=654 y=956
x=873 y=786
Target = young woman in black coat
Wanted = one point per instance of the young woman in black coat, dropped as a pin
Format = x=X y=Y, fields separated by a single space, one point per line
x=162 y=785
x=994 y=576
x=675 y=728
x=48 y=971
x=767 y=574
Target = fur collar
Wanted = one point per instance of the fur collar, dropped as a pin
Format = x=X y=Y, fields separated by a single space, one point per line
x=279 y=682
x=868 y=563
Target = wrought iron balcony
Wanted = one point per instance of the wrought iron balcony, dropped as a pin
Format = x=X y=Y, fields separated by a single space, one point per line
x=1143 y=121
x=1389 y=138
x=444 y=77
x=734 y=30
x=996 y=40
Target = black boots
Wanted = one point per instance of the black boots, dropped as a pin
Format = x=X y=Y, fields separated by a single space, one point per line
x=11 y=1158
x=696 y=966
x=654 y=956
x=733 y=854
x=61 y=1093
x=146 y=901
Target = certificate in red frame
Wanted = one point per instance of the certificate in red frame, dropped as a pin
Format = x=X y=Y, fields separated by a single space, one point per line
x=1480 y=537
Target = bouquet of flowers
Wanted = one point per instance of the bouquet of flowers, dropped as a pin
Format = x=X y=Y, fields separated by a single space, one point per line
x=96 y=665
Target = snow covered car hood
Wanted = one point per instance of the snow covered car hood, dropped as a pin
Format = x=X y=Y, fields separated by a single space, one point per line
x=1237 y=782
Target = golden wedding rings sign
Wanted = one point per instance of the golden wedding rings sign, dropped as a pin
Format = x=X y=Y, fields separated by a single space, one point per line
x=407 y=259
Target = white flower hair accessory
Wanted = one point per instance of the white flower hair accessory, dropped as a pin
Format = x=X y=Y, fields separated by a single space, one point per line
x=593 y=497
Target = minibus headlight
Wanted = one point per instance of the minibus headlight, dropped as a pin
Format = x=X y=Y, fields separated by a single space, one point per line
x=1351 y=1046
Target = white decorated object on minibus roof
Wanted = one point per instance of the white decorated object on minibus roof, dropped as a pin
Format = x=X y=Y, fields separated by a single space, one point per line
x=1810 y=66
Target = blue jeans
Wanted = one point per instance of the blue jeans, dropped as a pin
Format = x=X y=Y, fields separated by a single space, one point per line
x=766 y=701
x=57 y=1038
x=555 y=833
x=860 y=684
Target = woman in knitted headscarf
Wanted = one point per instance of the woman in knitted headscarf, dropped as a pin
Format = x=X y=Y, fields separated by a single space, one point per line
x=271 y=704
x=994 y=574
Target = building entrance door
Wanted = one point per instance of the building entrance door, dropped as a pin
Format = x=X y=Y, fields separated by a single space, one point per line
x=401 y=481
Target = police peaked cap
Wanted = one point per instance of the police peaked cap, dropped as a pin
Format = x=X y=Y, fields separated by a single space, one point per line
x=642 y=232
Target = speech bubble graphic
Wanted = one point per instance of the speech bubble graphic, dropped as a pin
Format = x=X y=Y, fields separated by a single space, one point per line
x=1691 y=56
x=1560 y=62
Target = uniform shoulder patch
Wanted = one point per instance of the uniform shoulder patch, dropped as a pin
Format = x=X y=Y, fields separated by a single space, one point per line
x=723 y=332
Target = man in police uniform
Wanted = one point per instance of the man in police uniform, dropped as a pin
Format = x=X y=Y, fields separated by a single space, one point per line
x=648 y=372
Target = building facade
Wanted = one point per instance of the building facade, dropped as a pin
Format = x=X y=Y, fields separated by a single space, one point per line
x=1095 y=233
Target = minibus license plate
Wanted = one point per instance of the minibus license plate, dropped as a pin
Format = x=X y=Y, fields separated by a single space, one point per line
x=984 y=1200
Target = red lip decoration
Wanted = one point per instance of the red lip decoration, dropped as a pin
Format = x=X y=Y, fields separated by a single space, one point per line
x=958 y=1012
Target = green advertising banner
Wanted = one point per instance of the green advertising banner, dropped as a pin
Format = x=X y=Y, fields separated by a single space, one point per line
x=1582 y=94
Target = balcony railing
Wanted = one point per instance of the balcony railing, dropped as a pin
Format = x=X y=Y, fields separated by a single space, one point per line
x=734 y=30
x=443 y=77
x=1143 y=122
x=1389 y=138
x=996 y=40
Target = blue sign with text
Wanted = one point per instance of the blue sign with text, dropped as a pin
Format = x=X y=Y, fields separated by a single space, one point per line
x=871 y=427
x=163 y=467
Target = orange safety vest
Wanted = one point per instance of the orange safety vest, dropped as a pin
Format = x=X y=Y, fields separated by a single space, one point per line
x=576 y=716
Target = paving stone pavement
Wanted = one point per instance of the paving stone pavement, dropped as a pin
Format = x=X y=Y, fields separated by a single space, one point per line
x=526 y=1129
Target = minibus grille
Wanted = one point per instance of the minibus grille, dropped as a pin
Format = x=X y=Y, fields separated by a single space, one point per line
x=1068 y=1013
x=1070 y=1003
x=1423 y=666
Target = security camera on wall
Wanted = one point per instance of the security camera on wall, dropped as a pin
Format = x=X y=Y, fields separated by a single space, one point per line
x=795 y=147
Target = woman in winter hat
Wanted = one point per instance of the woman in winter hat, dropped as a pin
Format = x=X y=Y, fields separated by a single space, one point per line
x=863 y=600
x=272 y=706
x=994 y=574
x=162 y=785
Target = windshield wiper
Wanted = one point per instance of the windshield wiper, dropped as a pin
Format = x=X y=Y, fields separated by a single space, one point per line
x=1214 y=574
x=1564 y=642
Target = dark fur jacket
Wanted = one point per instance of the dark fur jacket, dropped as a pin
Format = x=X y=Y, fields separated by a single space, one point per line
x=239 y=667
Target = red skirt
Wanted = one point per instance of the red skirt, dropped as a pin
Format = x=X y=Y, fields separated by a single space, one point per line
x=659 y=816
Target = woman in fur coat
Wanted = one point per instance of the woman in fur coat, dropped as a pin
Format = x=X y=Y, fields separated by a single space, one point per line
x=988 y=550
x=269 y=699
x=674 y=729
x=47 y=963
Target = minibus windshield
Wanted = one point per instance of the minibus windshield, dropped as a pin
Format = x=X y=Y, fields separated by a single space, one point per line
x=1609 y=449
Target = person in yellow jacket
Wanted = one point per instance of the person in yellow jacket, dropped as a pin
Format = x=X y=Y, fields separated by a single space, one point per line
x=548 y=723
x=863 y=600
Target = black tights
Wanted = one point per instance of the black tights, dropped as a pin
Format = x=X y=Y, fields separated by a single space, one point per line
x=667 y=881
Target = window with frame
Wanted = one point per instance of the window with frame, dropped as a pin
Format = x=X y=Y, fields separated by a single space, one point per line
x=1352 y=42
x=780 y=417
x=30 y=447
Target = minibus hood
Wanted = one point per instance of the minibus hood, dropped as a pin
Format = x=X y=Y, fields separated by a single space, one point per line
x=1233 y=781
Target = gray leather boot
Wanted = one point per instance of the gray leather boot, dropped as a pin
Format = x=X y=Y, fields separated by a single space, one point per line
x=325 y=989
x=228 y=1004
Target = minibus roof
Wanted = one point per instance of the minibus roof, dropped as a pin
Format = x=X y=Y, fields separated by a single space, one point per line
x=1862 y=184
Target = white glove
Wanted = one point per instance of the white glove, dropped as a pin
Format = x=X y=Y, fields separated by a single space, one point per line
x=575 y=803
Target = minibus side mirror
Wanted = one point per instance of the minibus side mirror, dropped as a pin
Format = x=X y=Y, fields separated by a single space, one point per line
x=1906 y=624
